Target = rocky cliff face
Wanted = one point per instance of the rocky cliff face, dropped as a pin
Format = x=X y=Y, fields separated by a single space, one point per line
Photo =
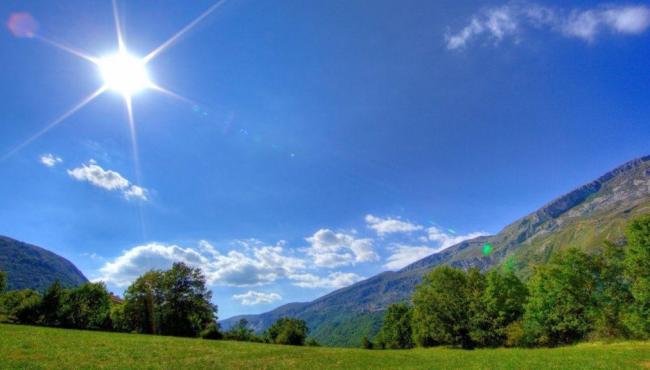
x=582 y=218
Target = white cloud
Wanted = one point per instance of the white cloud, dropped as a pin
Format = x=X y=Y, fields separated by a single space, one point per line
x=108 y=180
x=252 y=298
x=385 y=226
x=333 y=280
x=331 y=249
x=50 y=160
x=510 y=19
x=404 y=255
x=445 y=240
x=257 y=266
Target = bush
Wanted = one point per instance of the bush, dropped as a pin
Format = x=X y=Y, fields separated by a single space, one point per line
x=311 y=342
x=396 y=332
x=211 y=332
x=366 y=343
x=20 y=306
x=288 y=331
x=515 y=334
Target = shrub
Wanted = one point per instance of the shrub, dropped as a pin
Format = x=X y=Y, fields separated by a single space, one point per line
x=211 y=332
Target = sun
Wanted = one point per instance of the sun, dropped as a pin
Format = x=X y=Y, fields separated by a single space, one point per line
x=124 y=73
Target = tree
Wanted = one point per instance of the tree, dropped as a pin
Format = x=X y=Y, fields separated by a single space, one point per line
x=501 y=304
x=20 y=306
x=142 y=302
x=396 y=332
x=440 y=313
x=119 y=321
x=172 y=302
x=288 y=331
x=3 y=281
x=561 y=306
x=637 y=270
x=51 y=305
x=86 y=307
x=612 y=295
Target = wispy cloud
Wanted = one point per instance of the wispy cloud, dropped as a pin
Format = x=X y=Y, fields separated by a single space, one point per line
x=333 y=280
x=109 y=180
x=252 y=298
x=389 y=225
x=403 y=255
x=445 y=240
x=50 y=160
x=511 y=19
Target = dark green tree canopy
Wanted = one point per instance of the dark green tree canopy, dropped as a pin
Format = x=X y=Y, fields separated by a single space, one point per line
x=396 y=332
x=288 y=331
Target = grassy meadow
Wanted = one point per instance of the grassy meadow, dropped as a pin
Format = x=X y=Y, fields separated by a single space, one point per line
x=27 y=347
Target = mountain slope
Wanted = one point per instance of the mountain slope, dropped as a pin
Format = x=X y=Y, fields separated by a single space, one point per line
x=32 y=267
x=583 y=218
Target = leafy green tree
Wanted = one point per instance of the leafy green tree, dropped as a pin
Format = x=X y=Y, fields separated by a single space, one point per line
x=20 y=306
x=637 y=270
x=142 y=302
x=187 y=309
x=311 y=342
x=172 y=302
x=288 y=331
x=118 y=317
x=440 y=314
x=3 y=281
x=612 y=295
x=501 y=304
x=561 y=306
x=51 y=305
x=396 y=332
x=86 y=307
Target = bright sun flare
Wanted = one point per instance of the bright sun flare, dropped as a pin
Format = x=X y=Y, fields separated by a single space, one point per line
x=124 y=73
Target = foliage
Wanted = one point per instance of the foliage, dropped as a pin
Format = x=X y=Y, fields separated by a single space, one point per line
x=86 y=307
x=119 y=320
x=366 y=343
x=172 y=302
x=440 y=314
x=3 y=281
x=288 y=331
x=50 y=306
x=396 y=332
x=20 y=306
x=311 y=342
x=240 y=332
x=637 y=270
x=561 y=306
x=211 y=332
x=498 y=305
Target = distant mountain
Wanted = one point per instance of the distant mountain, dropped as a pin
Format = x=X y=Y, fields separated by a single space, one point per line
x=583 y=218
x=32 y=267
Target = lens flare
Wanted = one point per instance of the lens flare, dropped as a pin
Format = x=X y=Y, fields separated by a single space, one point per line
x=487 y=249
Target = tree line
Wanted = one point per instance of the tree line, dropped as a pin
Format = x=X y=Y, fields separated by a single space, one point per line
x=173 y=302
x=576 y=296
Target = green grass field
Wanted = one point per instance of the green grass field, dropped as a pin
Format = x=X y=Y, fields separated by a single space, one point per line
x=26 y=347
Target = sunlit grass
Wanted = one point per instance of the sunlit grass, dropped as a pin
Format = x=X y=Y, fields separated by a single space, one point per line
x=28 y=347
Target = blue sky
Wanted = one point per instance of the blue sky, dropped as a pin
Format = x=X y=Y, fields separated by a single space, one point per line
x=324 y=141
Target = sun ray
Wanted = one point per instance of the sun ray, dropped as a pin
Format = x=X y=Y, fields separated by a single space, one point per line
x=54 y=123
x=65 y=48
x=172 y=94
x=180 y=33
x=118 y=27
x=136 y=157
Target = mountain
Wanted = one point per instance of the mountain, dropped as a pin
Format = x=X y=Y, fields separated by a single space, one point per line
x=32 y=267
x=583 y=218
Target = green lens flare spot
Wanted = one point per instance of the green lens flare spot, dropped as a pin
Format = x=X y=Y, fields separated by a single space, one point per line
x=487 y=249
